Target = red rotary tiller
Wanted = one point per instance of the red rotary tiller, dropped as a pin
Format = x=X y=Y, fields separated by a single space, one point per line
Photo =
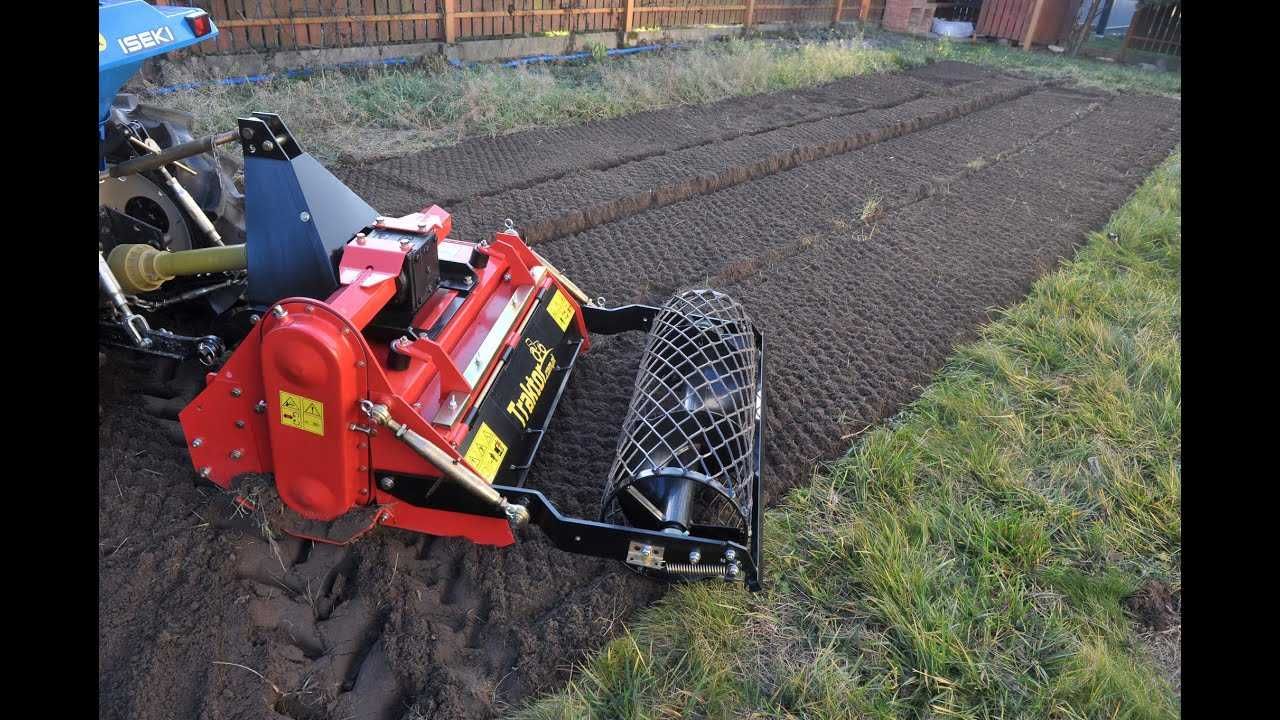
x=395 y=369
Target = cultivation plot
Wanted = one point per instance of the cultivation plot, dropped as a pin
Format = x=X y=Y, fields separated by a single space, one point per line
x=868 y=225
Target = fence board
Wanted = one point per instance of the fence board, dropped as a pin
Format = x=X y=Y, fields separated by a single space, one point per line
x=1155 y=28
x=268 y=25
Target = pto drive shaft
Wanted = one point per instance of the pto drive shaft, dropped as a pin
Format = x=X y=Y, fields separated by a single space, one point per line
x=142 y=268
x=450 y=467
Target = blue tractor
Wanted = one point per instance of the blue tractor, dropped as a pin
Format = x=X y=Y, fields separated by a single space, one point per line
x=158 y=186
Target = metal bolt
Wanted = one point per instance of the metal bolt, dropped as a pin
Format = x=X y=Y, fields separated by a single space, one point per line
x=346 y=331
x=694 y=556
x=734 y=568
x=361 y=238
x=730 y=555
x=453 y=403
x=239 y=423
x=360 y=363
x=468 y=280
x=422 y=226
x=237 y=454
x=268 y=145
x=260 y=407
x=380 y=219
x=506 y=277
x=206 y=471
x=197 y=442
x=236 y=392
x=387 y=483
x=254 y=319
x=308 y=308
x=246 y=133
x=304 y=216
x=279 y=311
x=577 y=538
x=364 y=468
x=364 y=491
x=646 y=550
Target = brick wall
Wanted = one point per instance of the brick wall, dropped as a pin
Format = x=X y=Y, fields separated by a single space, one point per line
x=913 y=16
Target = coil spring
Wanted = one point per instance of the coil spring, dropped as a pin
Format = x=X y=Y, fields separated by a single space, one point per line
x=698 y=570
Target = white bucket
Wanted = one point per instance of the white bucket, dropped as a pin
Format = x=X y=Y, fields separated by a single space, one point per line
x=953 y=28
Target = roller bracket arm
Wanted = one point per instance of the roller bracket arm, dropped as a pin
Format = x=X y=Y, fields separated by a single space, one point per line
x=614 y=542
x=624 y=318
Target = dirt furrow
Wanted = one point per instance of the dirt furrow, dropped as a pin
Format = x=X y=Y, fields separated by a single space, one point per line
x=586 y=199
x=484 y=167
x=761 y=220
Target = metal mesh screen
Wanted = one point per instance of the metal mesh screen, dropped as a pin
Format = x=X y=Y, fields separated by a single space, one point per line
x=691 y=422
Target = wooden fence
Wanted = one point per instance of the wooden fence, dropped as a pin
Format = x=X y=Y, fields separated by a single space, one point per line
x=269 y=25
x=1043 y=21
x=1156 y=27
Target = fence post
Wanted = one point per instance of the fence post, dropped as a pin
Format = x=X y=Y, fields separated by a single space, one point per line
x=628 y=21
x=450 y=24
x=751 y=14
x=835 y=16
x=1031 y=27
x=864 y=10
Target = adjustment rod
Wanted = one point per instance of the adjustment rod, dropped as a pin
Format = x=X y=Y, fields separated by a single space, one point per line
x=451 y=467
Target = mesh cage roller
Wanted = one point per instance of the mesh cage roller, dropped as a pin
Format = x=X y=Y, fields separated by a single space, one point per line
x=686 y=453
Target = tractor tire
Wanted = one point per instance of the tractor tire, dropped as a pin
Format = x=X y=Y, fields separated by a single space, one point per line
x=213 y=186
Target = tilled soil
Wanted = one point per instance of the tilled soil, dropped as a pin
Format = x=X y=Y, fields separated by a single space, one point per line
x=868 y=225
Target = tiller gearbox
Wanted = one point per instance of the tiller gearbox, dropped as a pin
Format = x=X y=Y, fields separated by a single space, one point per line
x=395 y=370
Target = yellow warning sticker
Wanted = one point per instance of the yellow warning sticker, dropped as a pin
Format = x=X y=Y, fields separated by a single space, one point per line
x=486 y=452
x=560 y=310
x=302 y=413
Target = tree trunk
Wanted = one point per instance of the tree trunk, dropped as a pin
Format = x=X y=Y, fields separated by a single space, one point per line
x=1082 y=31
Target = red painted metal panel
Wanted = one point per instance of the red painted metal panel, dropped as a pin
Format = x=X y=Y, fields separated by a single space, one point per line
x=288 y=401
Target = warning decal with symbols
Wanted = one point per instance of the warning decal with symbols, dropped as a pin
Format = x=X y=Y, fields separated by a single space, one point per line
x=560 y=310
x=302 y=412
x=486 y=452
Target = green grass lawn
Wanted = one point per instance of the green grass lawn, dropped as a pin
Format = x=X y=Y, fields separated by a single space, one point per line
x=1085 y=71
x=390 y=112
x=971 y=559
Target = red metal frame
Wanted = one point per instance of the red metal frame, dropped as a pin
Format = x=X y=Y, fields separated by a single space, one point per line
x=315 y=352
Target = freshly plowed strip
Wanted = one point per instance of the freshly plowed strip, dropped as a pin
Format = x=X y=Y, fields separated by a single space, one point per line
x=481 y=168
x=584 y=200
x=766 y=220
